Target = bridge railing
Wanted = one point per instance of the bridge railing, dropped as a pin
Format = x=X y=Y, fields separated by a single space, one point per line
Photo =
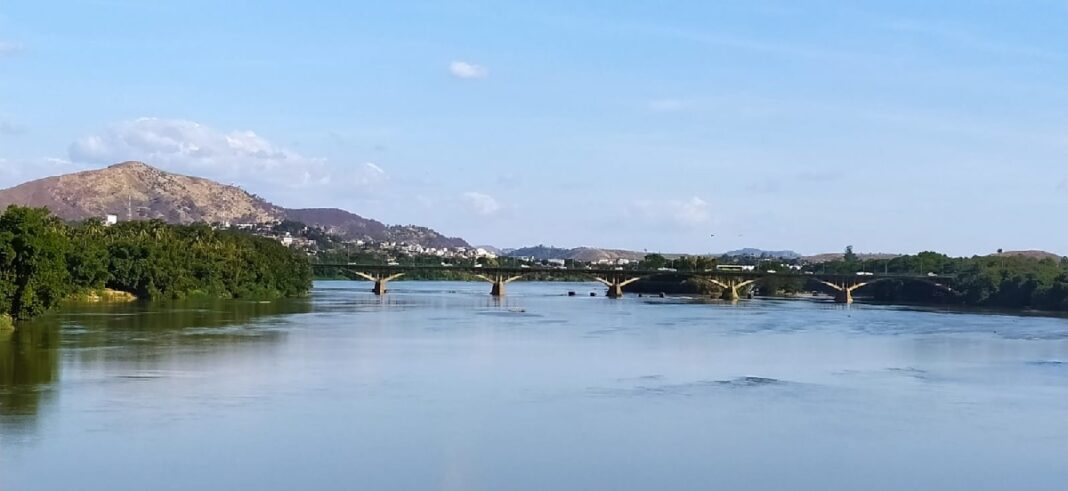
x=625 y=272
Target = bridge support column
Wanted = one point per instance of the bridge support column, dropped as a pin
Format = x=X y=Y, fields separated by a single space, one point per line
x=379 y=279
x=730 y=288
x=843 y=290
x=615 y=285
x=498 y=282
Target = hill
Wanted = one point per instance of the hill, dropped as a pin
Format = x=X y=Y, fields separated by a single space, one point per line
x=589 y=254
x=835 y=256
x=138 y=191
x=1032 y=254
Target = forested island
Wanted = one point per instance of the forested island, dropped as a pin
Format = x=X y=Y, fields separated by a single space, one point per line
x=44 y=261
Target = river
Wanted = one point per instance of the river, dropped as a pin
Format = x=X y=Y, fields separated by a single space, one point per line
x=439 y=386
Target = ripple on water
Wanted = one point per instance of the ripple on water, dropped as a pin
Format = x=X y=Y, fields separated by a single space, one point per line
x=1048 y=363
x=689 y=389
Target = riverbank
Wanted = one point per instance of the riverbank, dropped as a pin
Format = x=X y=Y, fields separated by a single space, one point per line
x=100 y=295
x=49 y=262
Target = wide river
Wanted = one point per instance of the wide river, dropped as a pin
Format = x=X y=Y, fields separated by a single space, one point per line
x=440 y=386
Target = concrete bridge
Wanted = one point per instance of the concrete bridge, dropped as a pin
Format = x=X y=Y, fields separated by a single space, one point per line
x=732 y=283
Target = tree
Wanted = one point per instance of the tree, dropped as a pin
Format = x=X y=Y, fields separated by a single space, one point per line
x=849 y=256
x=653 y=261
x=33 y=268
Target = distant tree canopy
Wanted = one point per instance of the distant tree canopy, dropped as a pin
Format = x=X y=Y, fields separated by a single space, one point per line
x=43 y=260
x=993 y=281
x=849 y=256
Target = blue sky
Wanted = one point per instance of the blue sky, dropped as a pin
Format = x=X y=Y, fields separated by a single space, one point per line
x=890 y=125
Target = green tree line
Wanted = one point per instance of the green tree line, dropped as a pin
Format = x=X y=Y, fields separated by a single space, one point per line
x=990 y=281
x=44 y=260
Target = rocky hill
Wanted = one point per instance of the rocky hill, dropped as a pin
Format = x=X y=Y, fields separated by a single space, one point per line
x=135 y=190
x=138 y=191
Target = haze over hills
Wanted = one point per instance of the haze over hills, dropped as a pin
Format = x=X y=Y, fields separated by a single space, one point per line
x=135 y=190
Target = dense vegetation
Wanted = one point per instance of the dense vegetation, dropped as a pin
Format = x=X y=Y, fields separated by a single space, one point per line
x=991 y=281
x=987 y=281
x=43 y=261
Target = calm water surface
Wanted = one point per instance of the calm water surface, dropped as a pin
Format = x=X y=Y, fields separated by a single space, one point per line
x=438 y=386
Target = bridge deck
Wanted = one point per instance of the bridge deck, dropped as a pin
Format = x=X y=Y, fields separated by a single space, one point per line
x=383 y=268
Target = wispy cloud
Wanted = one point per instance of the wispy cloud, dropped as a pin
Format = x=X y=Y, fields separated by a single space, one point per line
x=671 y=105
x=9 y=48
x=779 y=183
x=968 y=38
x=480 y=203
x=8 y=127
x=463 y=69
x=17 y=171
x=369 y=175
x=191 y=147
x=737 y=105
x=688 y=213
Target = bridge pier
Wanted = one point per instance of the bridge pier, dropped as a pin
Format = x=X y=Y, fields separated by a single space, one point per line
x=615 y=285
x=380 y=280
x=499 y=281
x=843 y=290
x=729 y=288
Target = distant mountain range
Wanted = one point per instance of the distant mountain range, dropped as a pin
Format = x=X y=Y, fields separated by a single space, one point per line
x=589 y=254
x=135 y=190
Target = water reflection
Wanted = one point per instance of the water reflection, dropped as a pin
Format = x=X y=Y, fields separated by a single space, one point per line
x=126 y=341
x=29 y=364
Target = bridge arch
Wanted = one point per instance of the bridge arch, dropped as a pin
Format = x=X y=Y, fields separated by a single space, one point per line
x=844 y=290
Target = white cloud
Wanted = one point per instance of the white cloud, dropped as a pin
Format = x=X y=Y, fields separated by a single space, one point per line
x=463 y=69
x=690 y=213
x=190 y=147
x=480 y=203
